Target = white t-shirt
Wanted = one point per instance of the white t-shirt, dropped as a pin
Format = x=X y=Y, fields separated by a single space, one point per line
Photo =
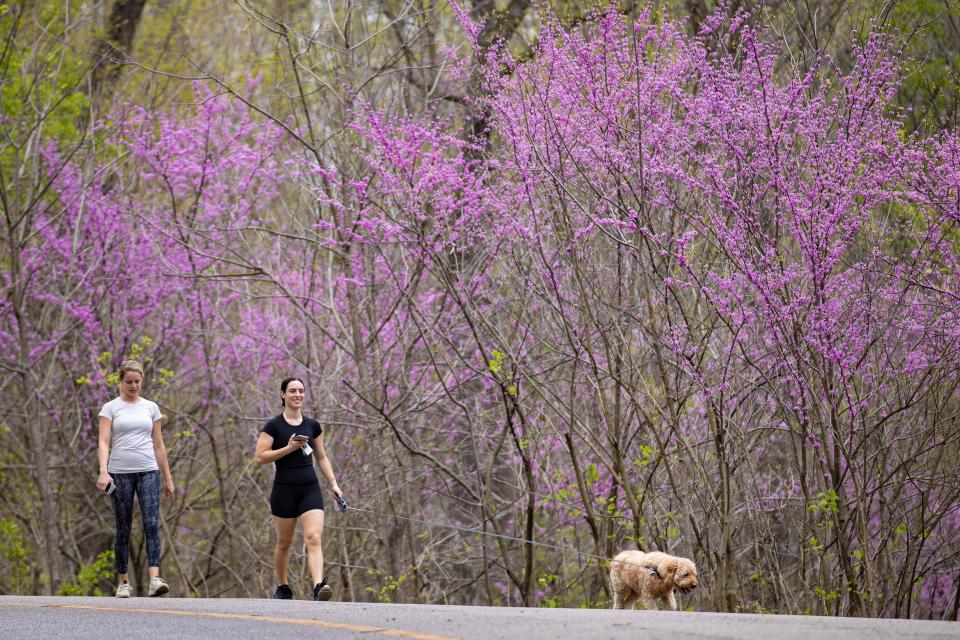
x=131 y=435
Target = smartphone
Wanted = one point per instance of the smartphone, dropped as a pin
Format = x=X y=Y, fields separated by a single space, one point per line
x=300 y=438
x=110 y=489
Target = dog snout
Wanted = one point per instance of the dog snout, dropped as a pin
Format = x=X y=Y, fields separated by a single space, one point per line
x=688 y=586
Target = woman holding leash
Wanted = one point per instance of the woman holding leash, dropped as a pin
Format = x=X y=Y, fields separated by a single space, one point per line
x=132 y=456
x=293 y=441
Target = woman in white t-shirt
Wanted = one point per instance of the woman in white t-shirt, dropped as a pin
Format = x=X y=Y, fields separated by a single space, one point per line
x=132 y=455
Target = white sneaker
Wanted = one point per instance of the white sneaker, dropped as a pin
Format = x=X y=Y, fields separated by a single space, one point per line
x=157 y=587
x=124 y=590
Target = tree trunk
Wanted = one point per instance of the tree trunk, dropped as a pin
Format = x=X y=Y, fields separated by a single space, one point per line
x=37 y=437
x=116 y=44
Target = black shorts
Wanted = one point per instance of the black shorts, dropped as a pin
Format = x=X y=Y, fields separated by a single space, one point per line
x=293 y=500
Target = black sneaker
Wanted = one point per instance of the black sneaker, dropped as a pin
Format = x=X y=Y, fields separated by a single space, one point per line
x=322 y=591
x=283 y=592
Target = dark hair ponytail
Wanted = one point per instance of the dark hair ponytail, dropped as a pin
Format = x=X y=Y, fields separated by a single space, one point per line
x=283 y=387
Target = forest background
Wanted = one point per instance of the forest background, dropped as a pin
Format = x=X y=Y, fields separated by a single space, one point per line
x=674 y=276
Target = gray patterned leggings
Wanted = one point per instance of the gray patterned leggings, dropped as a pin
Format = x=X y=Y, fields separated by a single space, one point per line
x=147 y=487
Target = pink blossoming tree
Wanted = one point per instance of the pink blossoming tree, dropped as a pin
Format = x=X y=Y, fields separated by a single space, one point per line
x=672 y=296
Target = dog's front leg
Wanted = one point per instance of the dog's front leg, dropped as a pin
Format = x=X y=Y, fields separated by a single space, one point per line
x=671 y=601
x=649 y=603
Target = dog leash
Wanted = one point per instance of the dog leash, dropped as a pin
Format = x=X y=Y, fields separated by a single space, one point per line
x=542 y=496
x=341 y=506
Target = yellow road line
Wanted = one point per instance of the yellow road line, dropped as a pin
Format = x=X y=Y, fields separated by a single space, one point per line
x=356 y=628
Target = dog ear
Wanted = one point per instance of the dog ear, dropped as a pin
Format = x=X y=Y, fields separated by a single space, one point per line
x=667 y=569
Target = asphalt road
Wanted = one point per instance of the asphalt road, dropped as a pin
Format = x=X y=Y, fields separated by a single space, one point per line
x=254 y=619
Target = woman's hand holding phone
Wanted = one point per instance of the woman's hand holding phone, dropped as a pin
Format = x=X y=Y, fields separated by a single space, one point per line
x=304 y=444
x=104 y=482
x=297 y=441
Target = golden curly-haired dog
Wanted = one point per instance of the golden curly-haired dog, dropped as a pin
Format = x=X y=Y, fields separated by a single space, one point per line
x=648 y=577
